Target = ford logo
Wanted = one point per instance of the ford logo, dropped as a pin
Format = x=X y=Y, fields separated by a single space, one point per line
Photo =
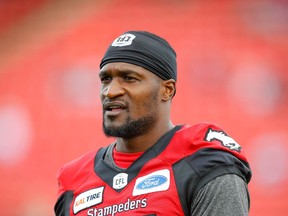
x=150 y=182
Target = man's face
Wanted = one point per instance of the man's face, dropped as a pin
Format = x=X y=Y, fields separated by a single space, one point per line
x=130 y=98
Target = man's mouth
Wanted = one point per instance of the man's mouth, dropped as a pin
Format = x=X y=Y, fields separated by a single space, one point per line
x=114 y=108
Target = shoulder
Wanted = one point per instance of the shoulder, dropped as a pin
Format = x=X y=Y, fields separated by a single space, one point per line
x=208 y=135
x=210 y=152
x=197 y=132
x=81 y=161
x=202 y=153
x=204 y=131
x=76 y=169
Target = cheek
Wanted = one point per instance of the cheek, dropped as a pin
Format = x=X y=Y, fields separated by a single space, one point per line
x=147 y=104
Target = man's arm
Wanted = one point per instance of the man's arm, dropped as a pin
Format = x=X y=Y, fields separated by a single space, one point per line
x=226 y=195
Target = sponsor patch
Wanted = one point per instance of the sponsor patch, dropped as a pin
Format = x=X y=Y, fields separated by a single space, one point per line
x=87 y=199
x=120 y=180
x=153 y=182
x=123 y=40
x=223 y=138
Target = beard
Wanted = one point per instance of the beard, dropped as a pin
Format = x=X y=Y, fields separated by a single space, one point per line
x=138 y=126
x=131 y=128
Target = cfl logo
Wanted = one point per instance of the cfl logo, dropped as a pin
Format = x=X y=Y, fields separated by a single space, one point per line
x=123 y=40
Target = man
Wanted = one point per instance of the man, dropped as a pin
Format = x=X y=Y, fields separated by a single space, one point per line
x=153 y=167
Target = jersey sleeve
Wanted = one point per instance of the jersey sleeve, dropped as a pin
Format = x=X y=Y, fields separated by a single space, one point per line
x=224 y=195
x=210 y=153
x=69 y=176
x=209 y=163
x=65 y=196
x=217 y=154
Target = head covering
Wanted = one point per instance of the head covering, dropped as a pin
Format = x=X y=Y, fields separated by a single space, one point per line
x=143 y=49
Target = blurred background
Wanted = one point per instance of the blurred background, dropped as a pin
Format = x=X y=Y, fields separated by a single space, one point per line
x=232 y=66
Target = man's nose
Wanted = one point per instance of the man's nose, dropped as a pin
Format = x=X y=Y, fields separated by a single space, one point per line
x=114 y=89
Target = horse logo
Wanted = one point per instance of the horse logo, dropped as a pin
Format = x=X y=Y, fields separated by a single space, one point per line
x=223 y=138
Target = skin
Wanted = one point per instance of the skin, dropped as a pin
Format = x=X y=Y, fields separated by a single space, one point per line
x=130 y=93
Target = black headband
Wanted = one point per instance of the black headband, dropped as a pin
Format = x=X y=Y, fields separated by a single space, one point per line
x=146 y=50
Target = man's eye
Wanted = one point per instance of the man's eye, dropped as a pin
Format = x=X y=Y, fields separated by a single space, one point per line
x=105 y=79
x=129 y=78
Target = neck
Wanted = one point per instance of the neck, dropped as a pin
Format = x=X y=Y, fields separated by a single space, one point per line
x=143 y=142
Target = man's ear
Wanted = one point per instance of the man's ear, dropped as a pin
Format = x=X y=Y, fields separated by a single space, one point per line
x=169 y=89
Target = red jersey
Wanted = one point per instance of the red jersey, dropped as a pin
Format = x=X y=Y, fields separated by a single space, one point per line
x=163 y=181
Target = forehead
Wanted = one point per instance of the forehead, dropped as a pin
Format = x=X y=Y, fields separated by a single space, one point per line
x=118 y=67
